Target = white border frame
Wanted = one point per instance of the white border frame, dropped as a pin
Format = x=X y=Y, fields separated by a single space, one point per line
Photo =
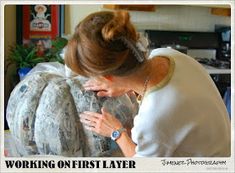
x=143 y=164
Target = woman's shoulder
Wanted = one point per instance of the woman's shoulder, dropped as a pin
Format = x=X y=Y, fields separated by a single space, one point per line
x=162 y=52
x=170 y=53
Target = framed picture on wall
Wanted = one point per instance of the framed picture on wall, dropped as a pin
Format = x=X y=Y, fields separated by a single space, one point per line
x=39 y=24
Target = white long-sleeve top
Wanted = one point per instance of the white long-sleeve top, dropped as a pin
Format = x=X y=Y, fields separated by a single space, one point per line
x=182 y=116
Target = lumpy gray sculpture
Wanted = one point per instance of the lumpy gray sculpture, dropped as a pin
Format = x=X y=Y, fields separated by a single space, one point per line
x=43 y=109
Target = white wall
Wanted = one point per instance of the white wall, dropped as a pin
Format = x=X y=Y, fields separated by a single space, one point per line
x=165 y=17
x=75 y=13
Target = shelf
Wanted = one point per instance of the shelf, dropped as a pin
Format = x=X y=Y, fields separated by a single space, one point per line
x=221 y=11
x=213 y=70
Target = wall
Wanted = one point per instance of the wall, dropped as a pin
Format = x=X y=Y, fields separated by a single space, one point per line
x=9 y=39
x=165 y=17
x=179 y=18
x=9 y=27
x=75 y=13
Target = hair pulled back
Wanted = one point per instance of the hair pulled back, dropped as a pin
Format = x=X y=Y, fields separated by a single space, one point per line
x=96 y=47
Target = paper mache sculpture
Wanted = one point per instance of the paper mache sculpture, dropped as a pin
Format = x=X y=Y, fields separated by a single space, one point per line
x=43 y=114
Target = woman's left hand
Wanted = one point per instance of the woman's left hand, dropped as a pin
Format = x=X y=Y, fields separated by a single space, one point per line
x=103 y=124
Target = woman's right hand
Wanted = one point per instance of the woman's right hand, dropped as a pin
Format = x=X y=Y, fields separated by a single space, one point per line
x=104 y=87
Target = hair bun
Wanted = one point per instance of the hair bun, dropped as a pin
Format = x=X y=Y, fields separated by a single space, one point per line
x=118 y=26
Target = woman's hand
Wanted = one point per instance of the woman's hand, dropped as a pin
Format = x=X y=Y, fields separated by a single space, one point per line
x=103 y=124
x=104 y=87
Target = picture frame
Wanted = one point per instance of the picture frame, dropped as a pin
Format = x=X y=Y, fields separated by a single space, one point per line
x=39 y=24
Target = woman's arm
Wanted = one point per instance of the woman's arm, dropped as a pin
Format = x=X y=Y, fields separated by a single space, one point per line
x=104 y=124
x=126 y=144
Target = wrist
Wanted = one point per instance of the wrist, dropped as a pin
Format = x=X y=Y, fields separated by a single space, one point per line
x=123 y=135
x=116 y=134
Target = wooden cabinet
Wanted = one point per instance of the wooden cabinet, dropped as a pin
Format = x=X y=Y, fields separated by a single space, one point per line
x=221 y=11
x=130 y=7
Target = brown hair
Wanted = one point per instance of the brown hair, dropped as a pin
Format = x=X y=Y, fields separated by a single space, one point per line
x=96 y=47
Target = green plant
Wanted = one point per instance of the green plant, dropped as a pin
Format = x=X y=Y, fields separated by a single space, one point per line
x=53 y=54
x=24 y=56
x=27 y=55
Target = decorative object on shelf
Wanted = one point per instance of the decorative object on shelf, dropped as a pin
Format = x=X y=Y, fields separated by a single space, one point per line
x=43 y=114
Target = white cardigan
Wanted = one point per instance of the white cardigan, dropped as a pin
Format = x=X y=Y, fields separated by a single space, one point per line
x=184 y=116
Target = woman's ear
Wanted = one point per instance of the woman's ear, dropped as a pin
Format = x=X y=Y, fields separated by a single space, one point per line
x=109 y=78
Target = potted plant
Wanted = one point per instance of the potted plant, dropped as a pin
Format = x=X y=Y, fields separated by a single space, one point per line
x=54 y=53
x=25 y=58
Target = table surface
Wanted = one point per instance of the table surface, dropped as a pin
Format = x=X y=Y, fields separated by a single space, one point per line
x=10 y=149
